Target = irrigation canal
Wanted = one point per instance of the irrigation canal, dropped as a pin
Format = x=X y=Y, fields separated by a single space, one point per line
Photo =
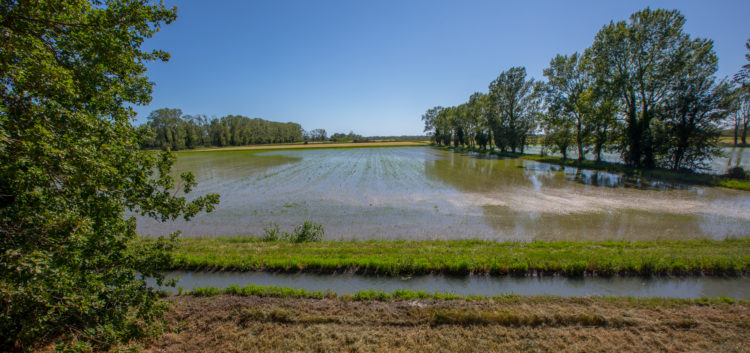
x=673 y=287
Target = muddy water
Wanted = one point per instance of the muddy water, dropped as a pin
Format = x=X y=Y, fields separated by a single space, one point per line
x=425 y=193
x=675 y=287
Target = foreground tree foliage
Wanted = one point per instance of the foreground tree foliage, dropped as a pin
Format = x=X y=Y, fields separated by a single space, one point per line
x=72 y=174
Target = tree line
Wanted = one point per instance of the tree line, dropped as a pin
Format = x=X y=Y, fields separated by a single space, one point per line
x=644 y=89
x=169 y=128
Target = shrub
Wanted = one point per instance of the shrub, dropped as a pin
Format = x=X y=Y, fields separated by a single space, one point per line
x=737 y=173
x=271 y=233
x=306 y=232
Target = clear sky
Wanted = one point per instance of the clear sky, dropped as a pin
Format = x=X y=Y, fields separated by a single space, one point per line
x=375 y=66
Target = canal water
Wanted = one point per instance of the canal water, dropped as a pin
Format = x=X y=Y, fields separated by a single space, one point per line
x=672 y=287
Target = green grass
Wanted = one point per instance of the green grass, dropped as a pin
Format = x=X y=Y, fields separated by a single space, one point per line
x=400 y=294
x=660 y=174
x=463 y=257
x=260 y=291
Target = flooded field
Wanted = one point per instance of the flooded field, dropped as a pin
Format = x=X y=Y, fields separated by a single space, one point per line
x=673 y=287
x=425 y=193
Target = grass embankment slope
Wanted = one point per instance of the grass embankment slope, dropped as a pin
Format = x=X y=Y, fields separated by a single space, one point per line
x=314 y=145
x=660 y=174
x=461 y=257
x=232 y=323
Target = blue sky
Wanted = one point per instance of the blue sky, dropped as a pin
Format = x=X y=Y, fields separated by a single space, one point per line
x=375 y=66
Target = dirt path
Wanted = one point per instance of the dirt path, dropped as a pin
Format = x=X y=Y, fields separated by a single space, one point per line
x=314 y=145
x=253 y=324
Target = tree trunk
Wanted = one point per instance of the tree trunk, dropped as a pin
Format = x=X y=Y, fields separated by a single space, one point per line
x=633 y=156
x=579 y=140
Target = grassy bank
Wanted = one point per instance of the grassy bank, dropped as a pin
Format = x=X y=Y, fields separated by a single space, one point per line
x=660 y=174
x=231 y=323
x=461 y=257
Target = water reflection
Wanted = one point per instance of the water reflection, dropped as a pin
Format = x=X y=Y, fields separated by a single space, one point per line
x=425 y=193
x=675 y=287
x=729 y=157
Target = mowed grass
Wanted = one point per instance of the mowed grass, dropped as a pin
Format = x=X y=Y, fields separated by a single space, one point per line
x=237 y=323
x=463 y=257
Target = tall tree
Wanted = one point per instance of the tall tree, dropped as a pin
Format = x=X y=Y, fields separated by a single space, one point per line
x=642 y=57
x=558 y=133
x=743 y=76
x=515 y=106
x=478 y=107
x=738 y=118
x=741 y=114
x=693 y=110
x=568 y=92
x=431 y=124
x=70 y=168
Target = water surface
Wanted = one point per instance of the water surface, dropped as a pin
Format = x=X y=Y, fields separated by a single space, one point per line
x=426 y=193
x=674 y=287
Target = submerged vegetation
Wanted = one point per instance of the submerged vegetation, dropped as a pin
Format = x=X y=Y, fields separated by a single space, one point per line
x=462 y=257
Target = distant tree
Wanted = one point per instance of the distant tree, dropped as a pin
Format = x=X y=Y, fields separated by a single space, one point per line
x=515 y=106
x=443 y=126
x=743 y=76
x=350 y=137
x=740 y=116
x=169 y=128
x=318 y=135
x=175 y=131
x=430 y=119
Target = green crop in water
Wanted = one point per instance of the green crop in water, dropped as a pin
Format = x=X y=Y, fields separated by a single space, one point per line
x=463 y=257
